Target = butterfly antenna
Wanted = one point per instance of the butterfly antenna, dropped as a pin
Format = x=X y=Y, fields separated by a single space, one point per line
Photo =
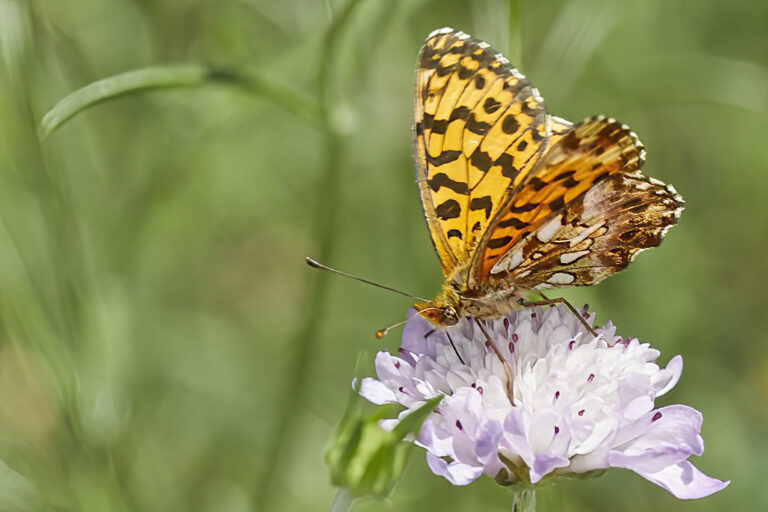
x=316 y=264
x=383 y=332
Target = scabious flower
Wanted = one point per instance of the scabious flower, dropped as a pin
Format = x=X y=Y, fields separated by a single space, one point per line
x=577 y=403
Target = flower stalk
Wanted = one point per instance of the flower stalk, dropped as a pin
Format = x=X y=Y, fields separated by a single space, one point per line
x=524 y=500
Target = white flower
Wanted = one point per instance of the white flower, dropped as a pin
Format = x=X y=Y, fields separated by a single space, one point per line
x=578 y=403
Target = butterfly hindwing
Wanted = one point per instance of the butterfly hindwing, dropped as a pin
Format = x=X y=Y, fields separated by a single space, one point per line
x=479 y=127
x=589 y=153
x=599 y=233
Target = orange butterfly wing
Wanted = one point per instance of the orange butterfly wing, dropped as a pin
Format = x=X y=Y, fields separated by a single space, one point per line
x=566 y=203
x=479 y=127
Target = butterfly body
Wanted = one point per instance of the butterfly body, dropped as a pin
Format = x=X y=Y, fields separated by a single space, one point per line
x=454 y=303
x=517 y=200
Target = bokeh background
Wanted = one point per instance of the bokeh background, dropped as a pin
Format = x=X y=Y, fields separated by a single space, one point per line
x=164 y=347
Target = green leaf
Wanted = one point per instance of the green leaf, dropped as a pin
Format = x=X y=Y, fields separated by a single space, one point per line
x=365 y=458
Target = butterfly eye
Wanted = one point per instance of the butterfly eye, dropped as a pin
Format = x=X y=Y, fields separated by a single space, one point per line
x=450 y=317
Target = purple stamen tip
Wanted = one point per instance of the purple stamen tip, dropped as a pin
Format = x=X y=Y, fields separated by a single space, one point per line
x=459 y=425
x=591 y=377
x=656 y=416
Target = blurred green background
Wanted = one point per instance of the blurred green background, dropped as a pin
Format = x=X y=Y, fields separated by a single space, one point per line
x=164 y=347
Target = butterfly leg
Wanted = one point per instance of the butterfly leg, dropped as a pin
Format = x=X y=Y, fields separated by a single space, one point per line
x=507 y=371
x=560 y=300
x=454 y=348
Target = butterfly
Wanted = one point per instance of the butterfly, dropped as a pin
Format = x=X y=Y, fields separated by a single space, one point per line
x=517 y=200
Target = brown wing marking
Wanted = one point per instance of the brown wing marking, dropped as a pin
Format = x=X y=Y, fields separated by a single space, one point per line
x=479 y=126
x=591 y=152
x=599 y=234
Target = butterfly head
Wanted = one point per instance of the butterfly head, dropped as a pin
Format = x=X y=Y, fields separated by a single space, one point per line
x=441 y=315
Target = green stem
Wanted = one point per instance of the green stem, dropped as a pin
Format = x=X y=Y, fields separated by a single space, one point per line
x=327 y=211
x=516 y=33
x=343 y=501
x=524 y=500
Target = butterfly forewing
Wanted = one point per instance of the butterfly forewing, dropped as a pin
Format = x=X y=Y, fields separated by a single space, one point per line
x=479 y=128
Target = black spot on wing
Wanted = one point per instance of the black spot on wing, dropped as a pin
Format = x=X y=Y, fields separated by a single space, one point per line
x=506 y=162
x=482 y=203
x=450 y=209
x=454 y=233
x=537 y=184
x=442 y=180
x=428 y=60
x=557 y=204
x=510 y=125
x=570 y=183
x=491 y=105
x=478 y=127
x=465 y=73
x=495 y=243
x=513 y=222
x=523 y=208
x=531 y=111
x=481 y=160
x=459 y=113
x=479 y=81
x=446 y=70
x=563 y=175
x=444 y=157
x=523 y=144
x=434 y=125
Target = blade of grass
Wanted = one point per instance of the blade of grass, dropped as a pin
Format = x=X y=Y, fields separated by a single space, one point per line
x=165 y=77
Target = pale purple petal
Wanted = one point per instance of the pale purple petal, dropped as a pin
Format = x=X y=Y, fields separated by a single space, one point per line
x=436 y=441
x=671 y=438
x=684 y=481
x=543 y=464
x=668 y=377
x=455 y=472
x=514 y=437
x=376 y=392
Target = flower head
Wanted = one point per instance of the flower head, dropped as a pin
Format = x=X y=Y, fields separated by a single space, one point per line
x=576 y=402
